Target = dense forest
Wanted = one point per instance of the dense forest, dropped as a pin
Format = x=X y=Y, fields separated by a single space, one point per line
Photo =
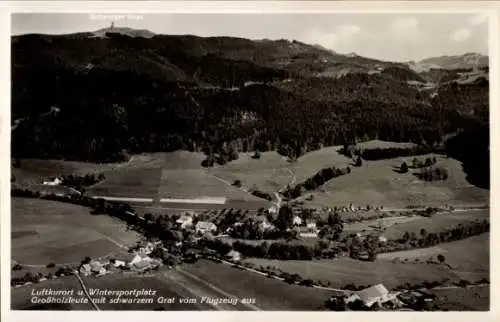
x=100 y=99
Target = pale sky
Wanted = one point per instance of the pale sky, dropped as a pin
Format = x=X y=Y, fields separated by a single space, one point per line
x=395 y=37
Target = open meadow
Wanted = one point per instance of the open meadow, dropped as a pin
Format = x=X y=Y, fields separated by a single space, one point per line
x=270 y=294
x=165 y=175
x=270 y=173
x=471 y=298
x=342 y=271
x=363 y=187
x=46 y=232
x=395 y=227
x=180 y=175
x=469 y=258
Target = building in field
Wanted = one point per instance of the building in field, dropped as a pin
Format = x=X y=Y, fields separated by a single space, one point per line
x=273 y=209
x=203 y=227
x=311 y=226
x=297 y=221
x=118 y=263
x=97 y=268
x=53 y=182
x=233 y=256
x=85 y=269
x=376 y=294
x=265 y=225
x=185 y=221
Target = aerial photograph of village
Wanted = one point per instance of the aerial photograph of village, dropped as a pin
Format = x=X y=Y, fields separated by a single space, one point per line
x=248 y=162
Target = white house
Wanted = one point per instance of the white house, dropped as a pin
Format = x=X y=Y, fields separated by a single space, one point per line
x=97 y=268
x=203 y=227
x=233 y=256
x=119 y=263
x=140 y=261
x=374 y=294
x=54 y=182
x=85 y=269
x=297 y=221
x=147 y=249
x=273 y=209
x=311 y=227
x=185 y=221
x=382 y=239
x=265 y=225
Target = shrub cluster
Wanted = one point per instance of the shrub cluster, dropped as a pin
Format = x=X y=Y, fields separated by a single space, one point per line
x=315 y=181
x=427 y=239
x=433 y=174
x=389 y=153
x=79 y=182
x=262 y=194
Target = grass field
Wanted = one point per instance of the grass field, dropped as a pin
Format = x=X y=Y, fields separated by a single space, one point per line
x=46 y=231
x=436 y=223
x=180 y=175
x=269 y=173
x=33 y=171
x=165 y=175
x=395 y=227
x=474 y=298
x=363 y=187
x=469 y=257
x=344 y=271
x=270 y=294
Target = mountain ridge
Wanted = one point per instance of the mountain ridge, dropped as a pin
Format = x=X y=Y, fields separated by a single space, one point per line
x=121 y=94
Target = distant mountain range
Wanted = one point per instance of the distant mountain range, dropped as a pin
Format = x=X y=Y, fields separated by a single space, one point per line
x=120 y=91
x=465 y=61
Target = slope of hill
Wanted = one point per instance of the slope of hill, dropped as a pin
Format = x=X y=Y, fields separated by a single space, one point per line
x=125 y=93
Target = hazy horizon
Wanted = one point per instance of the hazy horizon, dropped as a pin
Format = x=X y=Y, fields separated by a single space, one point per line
x=392 y=37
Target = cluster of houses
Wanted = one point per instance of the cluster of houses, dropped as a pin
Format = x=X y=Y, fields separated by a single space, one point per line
x=138 y=262
x=185 y=221
x=380 y=297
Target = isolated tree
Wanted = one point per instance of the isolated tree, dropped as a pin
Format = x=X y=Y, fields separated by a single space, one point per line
x=237 y=183
x=441 y=258
x=415 y=163
x=358 y=161
x=404 y=167
x=335 y=226
x=428 y=162
x=284 y=220
x=86 y=260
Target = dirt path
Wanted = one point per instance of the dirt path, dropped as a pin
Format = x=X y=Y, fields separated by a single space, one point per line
x=85 y=291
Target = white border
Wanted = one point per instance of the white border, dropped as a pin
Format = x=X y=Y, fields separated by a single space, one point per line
x=262 y=7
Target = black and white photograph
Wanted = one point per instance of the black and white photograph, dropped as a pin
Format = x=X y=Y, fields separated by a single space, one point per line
x=249 y=161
